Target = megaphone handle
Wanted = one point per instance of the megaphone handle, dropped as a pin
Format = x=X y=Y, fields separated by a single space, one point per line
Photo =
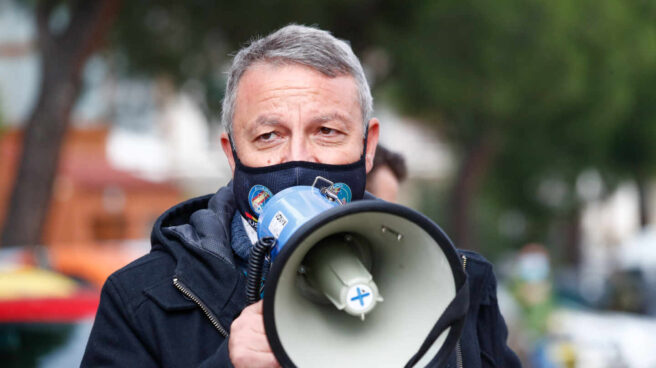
x=255 y=264
x=453 y=312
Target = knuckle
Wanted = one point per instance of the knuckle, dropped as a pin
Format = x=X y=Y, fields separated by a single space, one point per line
x=239 y=357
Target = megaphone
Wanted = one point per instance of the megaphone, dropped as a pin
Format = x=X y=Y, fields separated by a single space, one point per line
x=361 y=284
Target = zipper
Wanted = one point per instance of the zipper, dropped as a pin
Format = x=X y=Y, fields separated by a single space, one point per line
x=189 y=294
x=459 y=362
x=459 y=356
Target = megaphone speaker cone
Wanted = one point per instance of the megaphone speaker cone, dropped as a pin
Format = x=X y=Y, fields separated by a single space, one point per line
x=413 y=265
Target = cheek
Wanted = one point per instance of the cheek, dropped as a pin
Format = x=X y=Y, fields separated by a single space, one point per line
x=337 y=156
x=345 y=153
x=256 y=158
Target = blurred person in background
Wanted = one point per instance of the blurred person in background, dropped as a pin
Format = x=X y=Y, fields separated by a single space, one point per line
x=297 y=105
x=387 y=174
x=532 y=286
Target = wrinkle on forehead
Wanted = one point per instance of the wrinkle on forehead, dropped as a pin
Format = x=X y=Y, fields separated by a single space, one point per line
x=278 y=94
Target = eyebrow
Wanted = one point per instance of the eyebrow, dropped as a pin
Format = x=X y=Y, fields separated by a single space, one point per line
x=267 y=120
x=330 y=117
x=264 y=120
x=273 y=121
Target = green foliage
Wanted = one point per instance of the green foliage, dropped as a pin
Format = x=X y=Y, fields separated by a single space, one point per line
x=193 y=39
x=565 y=86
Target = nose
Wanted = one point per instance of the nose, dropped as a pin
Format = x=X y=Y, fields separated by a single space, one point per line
x=299 y=149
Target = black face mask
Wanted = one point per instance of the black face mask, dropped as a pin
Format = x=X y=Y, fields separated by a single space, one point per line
x=254 y=186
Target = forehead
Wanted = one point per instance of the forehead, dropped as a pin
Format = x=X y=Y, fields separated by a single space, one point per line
x=267 y=86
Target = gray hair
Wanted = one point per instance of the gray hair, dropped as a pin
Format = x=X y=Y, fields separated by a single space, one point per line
x=303 y=45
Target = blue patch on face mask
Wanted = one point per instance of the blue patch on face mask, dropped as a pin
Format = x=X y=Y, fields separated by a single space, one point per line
x=258 y=197
x=343 y=192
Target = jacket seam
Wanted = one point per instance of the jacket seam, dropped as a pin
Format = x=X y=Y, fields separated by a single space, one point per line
x=152 y=257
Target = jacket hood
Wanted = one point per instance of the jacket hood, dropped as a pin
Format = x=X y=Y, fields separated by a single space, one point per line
x=201 y=224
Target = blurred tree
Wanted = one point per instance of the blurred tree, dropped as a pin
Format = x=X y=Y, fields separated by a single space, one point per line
x=631 y=152
x=529 y=93
x=2 y=119
x=608 y=130
x=68 y=32
x=191 y=41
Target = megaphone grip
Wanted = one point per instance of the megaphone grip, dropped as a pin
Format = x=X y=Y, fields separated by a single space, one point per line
x=255 y=263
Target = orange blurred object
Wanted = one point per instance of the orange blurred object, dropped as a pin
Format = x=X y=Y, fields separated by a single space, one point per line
x=94 y=262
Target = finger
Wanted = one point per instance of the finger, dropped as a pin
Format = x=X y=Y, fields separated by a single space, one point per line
x=260 y=345
x=251 y=337
x=250 y=344
x=256 y=360
x=256 y=324
x=255 y=308
x=265 y=360
x=252 y=321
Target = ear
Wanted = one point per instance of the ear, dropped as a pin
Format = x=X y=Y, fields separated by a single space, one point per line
x=227 y=150
x=372 y=141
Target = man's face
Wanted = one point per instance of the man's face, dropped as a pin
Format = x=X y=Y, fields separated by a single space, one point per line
x=294 y=113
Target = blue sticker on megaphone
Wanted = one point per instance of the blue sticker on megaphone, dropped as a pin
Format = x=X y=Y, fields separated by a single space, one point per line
x=258 y=197
x=343 y=192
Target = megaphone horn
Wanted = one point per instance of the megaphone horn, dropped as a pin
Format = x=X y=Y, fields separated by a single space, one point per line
x=367 y=283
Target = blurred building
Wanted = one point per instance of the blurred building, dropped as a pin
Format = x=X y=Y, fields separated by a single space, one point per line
x=92 y=201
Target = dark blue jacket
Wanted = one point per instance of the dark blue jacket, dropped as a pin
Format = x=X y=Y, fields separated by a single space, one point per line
x=174 y=306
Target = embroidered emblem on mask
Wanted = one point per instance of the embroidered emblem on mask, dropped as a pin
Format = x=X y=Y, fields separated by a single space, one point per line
x=258 y=197
x=343 y=192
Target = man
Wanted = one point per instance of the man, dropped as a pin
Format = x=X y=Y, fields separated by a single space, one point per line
x=387 y=174
x=297 y=105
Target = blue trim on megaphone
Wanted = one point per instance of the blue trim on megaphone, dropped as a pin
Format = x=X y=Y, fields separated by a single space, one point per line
x=287 y=211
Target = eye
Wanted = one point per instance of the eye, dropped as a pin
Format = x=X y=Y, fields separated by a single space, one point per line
x=327 y=131
x=266 y=137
